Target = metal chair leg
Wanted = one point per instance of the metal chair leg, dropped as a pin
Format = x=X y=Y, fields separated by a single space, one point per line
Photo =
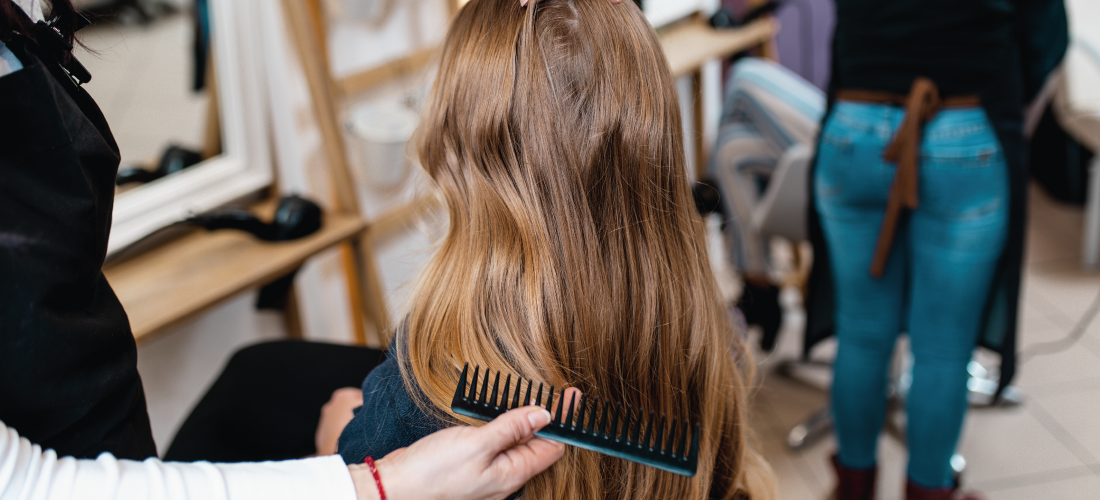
x=982 y=385
x=818 y=425
x=958 y=464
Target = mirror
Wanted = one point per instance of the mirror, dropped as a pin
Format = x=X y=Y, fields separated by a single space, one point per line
x=150 y=72
x=144 y=70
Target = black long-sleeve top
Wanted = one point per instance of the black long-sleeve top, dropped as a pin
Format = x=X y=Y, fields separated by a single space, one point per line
x=962 y=45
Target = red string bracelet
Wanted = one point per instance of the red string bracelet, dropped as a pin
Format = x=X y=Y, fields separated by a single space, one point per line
x=377 y=479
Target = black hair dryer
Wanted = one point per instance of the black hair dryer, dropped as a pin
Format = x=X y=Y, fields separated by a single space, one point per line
x=295 y=217
x=174 y=159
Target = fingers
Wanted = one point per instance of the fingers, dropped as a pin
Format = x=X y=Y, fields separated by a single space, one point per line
x=512 y=427
x=335 y=415
x=520 y=463
x=347 y=397
x=515 y=454
x=472 y=463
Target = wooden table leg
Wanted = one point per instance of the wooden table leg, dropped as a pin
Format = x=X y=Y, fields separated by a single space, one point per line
x=370 y=285
x=698 y=121
x=292 y=315
x=355 y=292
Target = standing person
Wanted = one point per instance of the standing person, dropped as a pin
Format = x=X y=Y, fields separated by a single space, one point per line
x=918 y=213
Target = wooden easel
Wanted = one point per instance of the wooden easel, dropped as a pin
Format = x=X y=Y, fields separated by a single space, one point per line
x=307 y=25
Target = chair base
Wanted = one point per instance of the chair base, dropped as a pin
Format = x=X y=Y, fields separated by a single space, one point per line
x=981 y=387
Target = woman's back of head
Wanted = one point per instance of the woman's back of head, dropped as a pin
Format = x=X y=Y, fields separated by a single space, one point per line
x=574 y=255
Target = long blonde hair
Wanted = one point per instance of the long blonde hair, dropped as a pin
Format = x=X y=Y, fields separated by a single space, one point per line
x=575 y=255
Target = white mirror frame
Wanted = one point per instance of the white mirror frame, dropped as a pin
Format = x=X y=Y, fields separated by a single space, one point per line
x=244 y=166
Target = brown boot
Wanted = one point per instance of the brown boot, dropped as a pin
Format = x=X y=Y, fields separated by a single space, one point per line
x=915 y=491
x=853 y=484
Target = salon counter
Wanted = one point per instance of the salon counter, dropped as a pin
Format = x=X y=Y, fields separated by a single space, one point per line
x=169 y=283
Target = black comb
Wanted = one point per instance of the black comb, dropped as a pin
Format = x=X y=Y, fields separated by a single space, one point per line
x=586 y=425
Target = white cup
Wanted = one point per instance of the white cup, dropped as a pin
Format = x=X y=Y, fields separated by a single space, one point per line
x=380 y=133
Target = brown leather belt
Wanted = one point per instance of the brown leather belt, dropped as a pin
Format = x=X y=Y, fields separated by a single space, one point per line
x=922 y=103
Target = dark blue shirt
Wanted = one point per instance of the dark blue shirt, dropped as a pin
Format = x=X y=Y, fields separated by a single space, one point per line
x=389 y=418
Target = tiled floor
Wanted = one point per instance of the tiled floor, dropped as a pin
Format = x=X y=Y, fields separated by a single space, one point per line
x=1047 y=448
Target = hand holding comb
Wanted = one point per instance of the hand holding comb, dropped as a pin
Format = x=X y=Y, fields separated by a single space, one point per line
x=569 y=425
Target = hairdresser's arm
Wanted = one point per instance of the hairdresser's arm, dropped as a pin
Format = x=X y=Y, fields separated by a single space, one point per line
x=466 y=463
x=28 y=471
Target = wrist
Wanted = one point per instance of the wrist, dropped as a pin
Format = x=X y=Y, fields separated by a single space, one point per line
x=363 y=479
x=388 y=474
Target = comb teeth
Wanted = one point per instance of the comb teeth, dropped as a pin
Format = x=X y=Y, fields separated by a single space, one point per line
x=579 y=413
x=611 y=436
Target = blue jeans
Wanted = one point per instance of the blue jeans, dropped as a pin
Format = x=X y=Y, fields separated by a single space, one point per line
x=936 y=281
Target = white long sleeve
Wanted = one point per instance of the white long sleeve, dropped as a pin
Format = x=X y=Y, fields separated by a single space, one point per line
x=28 y=473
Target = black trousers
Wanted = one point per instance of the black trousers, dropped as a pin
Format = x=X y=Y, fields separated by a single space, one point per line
x=266 y=403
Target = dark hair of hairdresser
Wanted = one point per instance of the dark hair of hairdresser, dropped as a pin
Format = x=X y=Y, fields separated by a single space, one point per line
x=61 y=16
x=575 y=255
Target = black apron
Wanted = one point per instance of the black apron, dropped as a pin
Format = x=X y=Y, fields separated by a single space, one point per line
x=1039 y=37
x=68 y=361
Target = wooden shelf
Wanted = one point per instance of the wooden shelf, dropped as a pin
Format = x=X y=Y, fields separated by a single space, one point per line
x=690 y=44
x=167 y=284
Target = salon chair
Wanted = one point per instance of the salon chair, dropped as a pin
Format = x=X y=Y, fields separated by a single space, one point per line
x=776 y=211
x=782 y=209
